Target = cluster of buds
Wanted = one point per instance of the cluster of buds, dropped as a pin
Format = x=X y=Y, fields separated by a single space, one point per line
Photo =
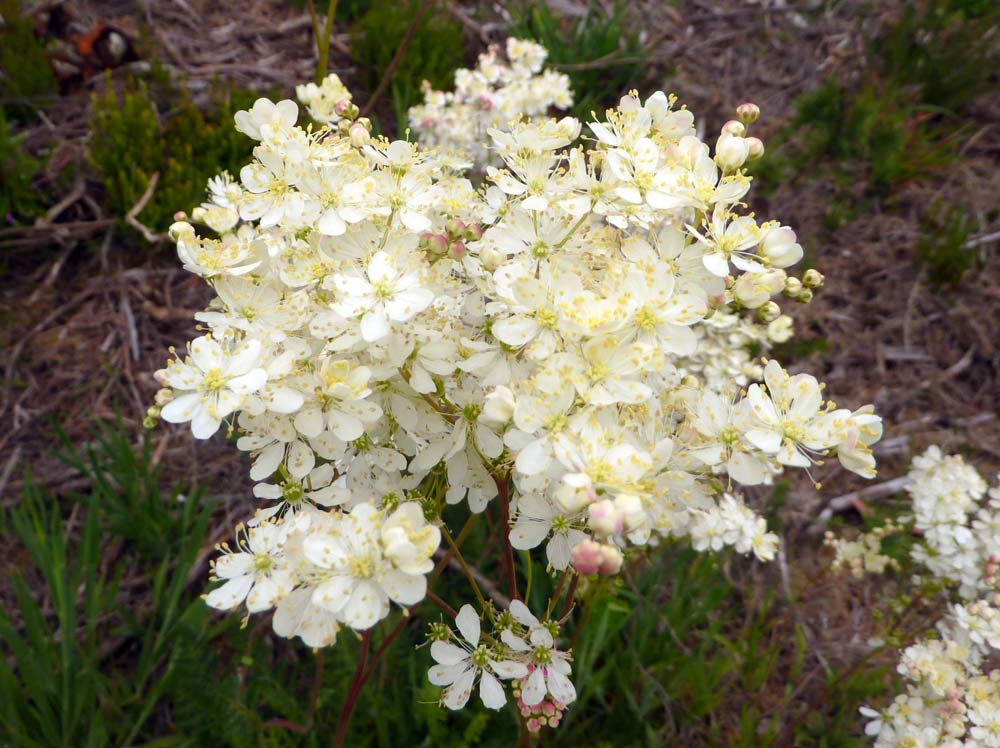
x=453 y=241
x=547 y=713
x=734 y=147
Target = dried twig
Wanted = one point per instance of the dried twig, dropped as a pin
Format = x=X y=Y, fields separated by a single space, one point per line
x=131 y=217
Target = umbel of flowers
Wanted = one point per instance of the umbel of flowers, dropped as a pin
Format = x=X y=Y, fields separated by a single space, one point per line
x=558 y=346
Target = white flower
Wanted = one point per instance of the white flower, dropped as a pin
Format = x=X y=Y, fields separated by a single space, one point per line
x=387 y=294
x=357 y=579
x=537 y=517
x=459 y=666
x=258 y=573
x=214 y=380
x=550 y=667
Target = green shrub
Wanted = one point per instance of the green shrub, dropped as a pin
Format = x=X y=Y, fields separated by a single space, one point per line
x=26 y=80
x=19 y=200
x=132 y=138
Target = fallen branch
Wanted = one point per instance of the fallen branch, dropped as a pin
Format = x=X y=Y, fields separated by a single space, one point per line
x=847 y=500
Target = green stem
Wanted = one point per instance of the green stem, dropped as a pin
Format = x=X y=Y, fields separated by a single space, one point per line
x=322 y=37
x=465 y=567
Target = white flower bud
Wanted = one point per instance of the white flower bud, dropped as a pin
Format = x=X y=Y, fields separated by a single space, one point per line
x=611 y=560
x=491 y=257
x=793 y=287
x=769 y=312
x=813 y=278
x=603 y=518
x=359 y=135
x=630 y=509
x=498 y=406
x=731 y=151
x=573 y=499
x=748 y=113
x=756 y=146
x=780 y=329
x=779 y=245
x=735 y=128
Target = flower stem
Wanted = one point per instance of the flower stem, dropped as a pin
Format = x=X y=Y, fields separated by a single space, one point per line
x=353 y=691
x=322 y=37
x=465 y=567
x=503 y=491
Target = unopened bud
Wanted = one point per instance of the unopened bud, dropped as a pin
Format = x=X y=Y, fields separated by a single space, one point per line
x=735 y=128
x=359 y=135
x=731 y=151
x=346 y=109
x=457 y=250
x=805 y=297
x=611 y=560
x=793 y=286
x=436 y=243
x=630 y=509
x=163 y=396
x=756 y=146
x=748 y=113
x=498 y=406
x=491 y=257
x=781 y=329
x=769 y=312
x=603 y=518
x=813 y=278
x=586 y=556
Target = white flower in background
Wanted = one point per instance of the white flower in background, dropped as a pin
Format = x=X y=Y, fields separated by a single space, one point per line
x=459 y=665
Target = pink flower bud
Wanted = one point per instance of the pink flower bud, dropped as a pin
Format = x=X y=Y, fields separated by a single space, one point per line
x=458 y=250
x=756 y=146
x=603 y=518
x=587 y=557
x=342 y=106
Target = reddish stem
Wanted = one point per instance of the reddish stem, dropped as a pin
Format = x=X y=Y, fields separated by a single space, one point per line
x=503 y=490
x=570 y=594
x=354 y=691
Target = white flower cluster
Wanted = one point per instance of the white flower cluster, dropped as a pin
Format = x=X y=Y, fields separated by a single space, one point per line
x=952 y=697
x=521 y=647
x=493 y=94
x=385 y=338
x=323 y=569
x=863 y=555
x=960 y=532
